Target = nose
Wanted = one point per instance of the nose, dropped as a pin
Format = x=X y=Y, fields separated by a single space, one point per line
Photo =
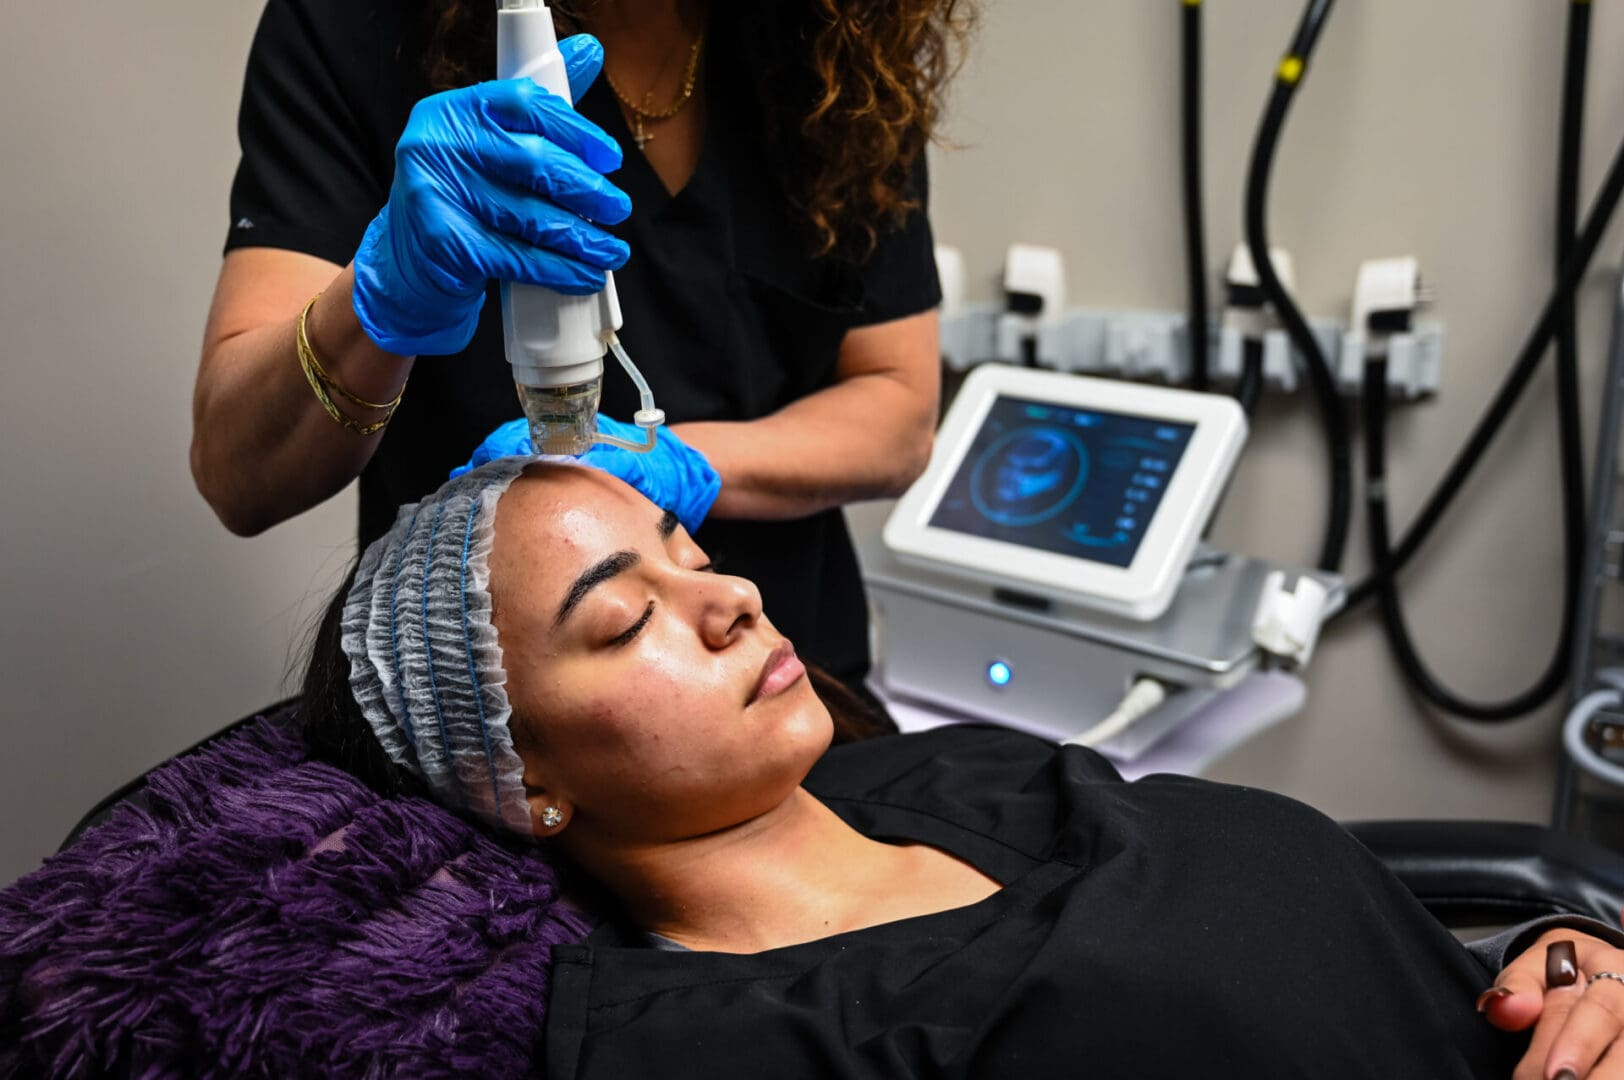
x=727 y=606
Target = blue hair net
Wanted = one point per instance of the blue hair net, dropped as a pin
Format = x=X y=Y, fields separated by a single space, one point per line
x=425 y=665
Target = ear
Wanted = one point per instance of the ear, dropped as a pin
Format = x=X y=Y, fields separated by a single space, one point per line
x=550 y=811
x=550 y=807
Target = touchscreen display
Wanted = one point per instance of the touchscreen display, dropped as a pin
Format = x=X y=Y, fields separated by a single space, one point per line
x=1078 y=482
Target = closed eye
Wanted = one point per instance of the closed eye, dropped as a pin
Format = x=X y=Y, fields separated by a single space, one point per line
x=633 y=630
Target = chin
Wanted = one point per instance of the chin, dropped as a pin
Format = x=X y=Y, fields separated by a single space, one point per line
x=810 y=719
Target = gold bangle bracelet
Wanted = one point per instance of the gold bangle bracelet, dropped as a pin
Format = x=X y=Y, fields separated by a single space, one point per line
x=321 y=382
x=334 y=411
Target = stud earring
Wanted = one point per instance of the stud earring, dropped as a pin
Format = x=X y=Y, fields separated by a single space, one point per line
x=552 y=817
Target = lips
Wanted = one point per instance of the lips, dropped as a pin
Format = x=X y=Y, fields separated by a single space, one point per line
x=779 y=673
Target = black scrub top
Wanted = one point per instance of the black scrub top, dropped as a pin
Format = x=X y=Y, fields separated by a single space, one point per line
x=1166 y=928
x=726 y=314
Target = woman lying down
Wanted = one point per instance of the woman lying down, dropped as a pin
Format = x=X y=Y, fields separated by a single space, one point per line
x=539 y=645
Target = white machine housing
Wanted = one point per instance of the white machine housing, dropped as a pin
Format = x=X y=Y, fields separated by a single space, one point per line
x=1144 y=588
x=958 y=650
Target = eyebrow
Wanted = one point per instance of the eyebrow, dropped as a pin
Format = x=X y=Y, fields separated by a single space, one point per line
x=594 y=575
x=606 y=568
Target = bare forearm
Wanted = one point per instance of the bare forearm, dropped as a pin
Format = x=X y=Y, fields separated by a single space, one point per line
x=263 y=447
x=867 y=437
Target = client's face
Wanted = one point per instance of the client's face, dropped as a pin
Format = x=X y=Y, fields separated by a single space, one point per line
x=652 y=699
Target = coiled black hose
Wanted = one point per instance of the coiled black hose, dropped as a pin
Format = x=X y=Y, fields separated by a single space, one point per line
x=1575 y=513
x=1250 y=386
x=1516 y=381
x=1559 y=321
x=1332 y=417
x=1195 y=233
x=1400 y=642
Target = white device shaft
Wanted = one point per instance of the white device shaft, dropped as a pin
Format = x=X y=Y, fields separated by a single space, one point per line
x=551 y=339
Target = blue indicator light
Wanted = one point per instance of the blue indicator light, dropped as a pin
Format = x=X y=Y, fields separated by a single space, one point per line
x=999 y=673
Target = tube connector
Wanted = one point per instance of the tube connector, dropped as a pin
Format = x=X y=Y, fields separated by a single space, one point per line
x=1287 y=623
x=1144 y=697
x=1246 y=306
x=647 y=417
x=1385 y=296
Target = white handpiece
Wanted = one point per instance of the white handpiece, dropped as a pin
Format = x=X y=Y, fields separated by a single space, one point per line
x=554 y=342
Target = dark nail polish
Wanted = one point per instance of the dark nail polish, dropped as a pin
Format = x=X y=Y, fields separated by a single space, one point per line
x=1489 y=995
x=1561 y=965
x=1567 y=1074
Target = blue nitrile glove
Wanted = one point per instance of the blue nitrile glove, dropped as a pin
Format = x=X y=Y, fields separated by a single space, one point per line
x=512 y=439
x=499 y=180
x=673 y=476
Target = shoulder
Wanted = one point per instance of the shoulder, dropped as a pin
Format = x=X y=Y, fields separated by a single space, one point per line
x=1004 y=787
x=327 y=90
x=348 y=25
x=1062 y=801
x=368 y=46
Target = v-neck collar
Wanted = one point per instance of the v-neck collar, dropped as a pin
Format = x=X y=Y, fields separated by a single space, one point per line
x=638 y=176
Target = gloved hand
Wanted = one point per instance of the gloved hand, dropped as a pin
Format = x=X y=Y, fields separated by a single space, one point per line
x=499 y=180
x=673 y=476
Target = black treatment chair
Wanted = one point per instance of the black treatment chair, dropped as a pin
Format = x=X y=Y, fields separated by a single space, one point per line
x=1469 y=874
x=135 y=790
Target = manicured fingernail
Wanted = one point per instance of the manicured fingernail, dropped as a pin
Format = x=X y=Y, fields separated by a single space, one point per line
x=1561 y=965
x=1491 y=994
x=1566 y=1074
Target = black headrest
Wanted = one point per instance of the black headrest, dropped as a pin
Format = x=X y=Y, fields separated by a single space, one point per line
x=1498 y=872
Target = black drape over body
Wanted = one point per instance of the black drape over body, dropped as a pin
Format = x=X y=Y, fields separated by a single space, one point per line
x=726 y=313
x=1166 y=928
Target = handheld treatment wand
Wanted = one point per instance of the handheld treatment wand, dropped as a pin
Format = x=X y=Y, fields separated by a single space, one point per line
x=556 y=342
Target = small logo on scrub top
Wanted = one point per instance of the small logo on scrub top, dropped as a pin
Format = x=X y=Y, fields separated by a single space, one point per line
x=244 y=223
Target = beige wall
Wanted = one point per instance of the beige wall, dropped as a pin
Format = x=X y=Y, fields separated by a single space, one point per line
x=134 y=624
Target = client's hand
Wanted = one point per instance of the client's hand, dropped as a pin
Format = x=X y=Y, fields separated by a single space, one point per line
x=673 y=476
x=1578 y=1017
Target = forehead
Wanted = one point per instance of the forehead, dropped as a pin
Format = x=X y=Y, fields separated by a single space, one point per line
x=557 y=518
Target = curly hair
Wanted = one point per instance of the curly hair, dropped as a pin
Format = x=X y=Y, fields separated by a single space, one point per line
x=856 y=103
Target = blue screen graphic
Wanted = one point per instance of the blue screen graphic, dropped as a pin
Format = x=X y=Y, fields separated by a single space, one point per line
x=1076 y=482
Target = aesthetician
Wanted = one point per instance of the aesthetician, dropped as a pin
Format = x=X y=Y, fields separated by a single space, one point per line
x=753 y=173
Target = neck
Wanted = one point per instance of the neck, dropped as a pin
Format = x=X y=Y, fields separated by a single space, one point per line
x=794 y=874
x=659 y=20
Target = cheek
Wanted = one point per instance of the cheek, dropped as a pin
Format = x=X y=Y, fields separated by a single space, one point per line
x=665 y=691
x=636 y=710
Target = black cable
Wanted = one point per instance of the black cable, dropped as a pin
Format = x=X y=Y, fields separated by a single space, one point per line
x=1399 y=640
x=1557 y=673
x=1195 y=233
x=1567 y=331
x=1250 y=386
x=1575 y=516
x=1570 y=441
x=1516 y=381
x=1029 y=351
x=1338 y=439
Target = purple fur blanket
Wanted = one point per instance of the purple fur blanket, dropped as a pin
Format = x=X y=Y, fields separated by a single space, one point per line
x=267 y=915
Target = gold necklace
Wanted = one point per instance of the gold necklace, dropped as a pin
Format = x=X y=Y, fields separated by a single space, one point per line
x=641 y=114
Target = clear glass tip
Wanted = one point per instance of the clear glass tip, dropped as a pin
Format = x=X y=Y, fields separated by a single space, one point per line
x=563 y=419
